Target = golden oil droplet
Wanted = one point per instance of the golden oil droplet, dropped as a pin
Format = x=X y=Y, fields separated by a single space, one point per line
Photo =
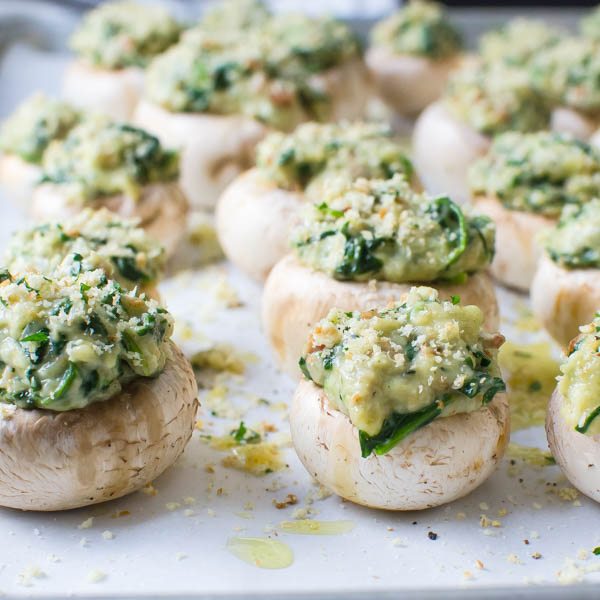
x=261 y=552
x=310 y=527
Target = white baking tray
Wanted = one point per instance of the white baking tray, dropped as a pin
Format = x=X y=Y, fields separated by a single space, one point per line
x=174 y=543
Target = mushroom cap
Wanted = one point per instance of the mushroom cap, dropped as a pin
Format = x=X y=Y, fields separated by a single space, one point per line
x=214 y=148
x=573 y=122
x=296 y=298
x=443 y=461
x=161 y=209
x=18 y=177
x=443 y=150
x=111 y=92
x=405 y=82
x=517 y=248
x=254 y=218
x=577 y=454
x=564 y=299
x=60 y=460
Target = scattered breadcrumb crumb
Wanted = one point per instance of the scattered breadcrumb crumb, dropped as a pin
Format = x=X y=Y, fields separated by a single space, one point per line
x=26 y=577
x=108 y=535
x=149 y=490
x=289 y=500
x=172 y=506
x=87 y=524
x=96 y=576
x=514 y=559
x=479 y=565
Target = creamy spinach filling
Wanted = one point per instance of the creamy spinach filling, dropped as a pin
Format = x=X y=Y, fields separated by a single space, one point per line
x=590 y=24
x=518 y=42
x=579 y=384
x=234 y=15
x=575 y=241
x=270 y=73
x=101 y=158
x=90 y=240
x=419 y=28
x=538 y=172
x=396 y=370
x=383 y=229
x=496 y=97
x=68 y=342
x=313 y=153
x=35 y=123
x=569 y=74
x=116 y=35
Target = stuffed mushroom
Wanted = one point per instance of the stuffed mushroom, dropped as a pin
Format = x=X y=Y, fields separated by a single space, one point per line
x=114 y=44
x=411 y=55
x=480 y=101
x=523 y=183
x=95 y=399
x=566 y=288
x=569 y=74
x=401 y=408
x=116 y=166
x=217 y=93
x=24 y=138
x=365 y=247
x=258 y=211
x=518 y=42
x=573 y=418
x=87 y=241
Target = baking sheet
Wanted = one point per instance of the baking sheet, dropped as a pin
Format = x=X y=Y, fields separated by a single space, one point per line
x=171 y=540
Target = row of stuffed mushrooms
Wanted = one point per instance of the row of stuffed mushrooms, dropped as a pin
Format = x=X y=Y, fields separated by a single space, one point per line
x=378 y=292
x=337 y=225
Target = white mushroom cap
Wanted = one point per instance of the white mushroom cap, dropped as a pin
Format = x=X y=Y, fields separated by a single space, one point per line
x=254 y=219
x=438 y=463
x=56 y=461
x=405 y=82
x=296 y=298
x=564 y=299
x=161 y=208
x=114 y=93
x=19 y=178
x=577 y=454
x=573 y=122
x=214 y=148
x=443 y=150
x=517 y=248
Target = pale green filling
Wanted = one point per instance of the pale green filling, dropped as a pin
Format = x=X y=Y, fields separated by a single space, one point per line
x=539 y=173
x=496 y=97
x=36 y=122
x=269 y=73
x=580 y=381
x=378 y=229
x=314 y=153
x=124 y=34
x=575 y=241
x=421 y=29
x=66 y=343
x=88 y=241
x=102 y=158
